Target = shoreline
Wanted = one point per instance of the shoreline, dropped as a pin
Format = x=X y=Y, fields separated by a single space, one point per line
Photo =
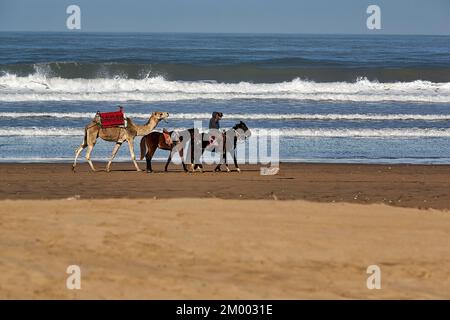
x=412 y=186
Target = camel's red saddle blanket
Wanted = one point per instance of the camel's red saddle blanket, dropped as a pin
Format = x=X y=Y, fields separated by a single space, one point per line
x=112 y=119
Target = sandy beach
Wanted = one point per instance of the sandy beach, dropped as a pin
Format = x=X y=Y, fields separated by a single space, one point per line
x=221 y=249
x=309 y=232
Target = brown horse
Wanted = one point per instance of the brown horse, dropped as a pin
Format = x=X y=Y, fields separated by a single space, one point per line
x=162 y=140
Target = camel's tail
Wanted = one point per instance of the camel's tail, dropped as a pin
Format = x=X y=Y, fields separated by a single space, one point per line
x=85 y=137
x=143 y=148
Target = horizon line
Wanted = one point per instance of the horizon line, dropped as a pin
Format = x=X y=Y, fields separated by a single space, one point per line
x=376 y=33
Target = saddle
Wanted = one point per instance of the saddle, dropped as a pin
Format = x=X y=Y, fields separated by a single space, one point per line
x=111 y=119
x=167 y=138
x=213 y=142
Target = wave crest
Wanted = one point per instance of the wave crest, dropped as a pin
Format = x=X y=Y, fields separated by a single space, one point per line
x=282 y=132
x=243 y=116
x=38 y=87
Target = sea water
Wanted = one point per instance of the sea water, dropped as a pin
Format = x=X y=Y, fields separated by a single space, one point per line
x=363 y=99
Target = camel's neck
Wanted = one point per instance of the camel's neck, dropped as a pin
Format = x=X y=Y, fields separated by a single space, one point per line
x=146 y=128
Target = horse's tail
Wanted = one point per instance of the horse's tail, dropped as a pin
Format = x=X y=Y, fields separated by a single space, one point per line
x=143 y=147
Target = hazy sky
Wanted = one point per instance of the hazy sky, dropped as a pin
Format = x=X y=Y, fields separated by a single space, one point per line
x=267 y=16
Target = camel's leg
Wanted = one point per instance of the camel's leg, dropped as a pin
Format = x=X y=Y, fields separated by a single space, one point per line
x=77 y=154
x=113 y=155
x=133 y=156
x=88 y=156
x=148 y=158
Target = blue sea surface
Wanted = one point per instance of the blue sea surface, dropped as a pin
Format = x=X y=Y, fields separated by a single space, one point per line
x=357 y=99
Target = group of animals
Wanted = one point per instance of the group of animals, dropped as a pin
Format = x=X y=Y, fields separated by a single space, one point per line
x=152 y=140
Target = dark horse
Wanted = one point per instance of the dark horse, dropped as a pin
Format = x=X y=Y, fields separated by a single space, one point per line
x=226 y=143
x=226 y=140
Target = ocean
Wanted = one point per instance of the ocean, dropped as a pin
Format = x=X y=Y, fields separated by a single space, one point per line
x=333 y=98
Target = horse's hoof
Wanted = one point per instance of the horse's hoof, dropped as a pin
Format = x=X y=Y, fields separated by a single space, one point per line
x=149 y=171
x=238 y=170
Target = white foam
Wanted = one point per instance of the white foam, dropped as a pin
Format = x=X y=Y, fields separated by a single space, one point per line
x=363 y=133
x=69 y=160
x=243 y=116
x=38 y=131
x=38 y=87
x=283 y=132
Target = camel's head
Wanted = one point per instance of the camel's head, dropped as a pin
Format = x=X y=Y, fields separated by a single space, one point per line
x=158 y=115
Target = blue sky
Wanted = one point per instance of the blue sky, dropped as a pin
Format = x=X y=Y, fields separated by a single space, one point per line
x=248 y=16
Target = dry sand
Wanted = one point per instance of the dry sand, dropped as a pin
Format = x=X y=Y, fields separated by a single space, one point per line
x=182 y=245
x=227 y=249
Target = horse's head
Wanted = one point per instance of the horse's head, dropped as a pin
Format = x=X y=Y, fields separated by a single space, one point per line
x=242 y=130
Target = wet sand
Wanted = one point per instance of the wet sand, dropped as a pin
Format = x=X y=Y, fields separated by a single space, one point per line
x=413 y=186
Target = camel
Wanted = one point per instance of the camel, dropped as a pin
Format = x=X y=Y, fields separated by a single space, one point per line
x=118 y=135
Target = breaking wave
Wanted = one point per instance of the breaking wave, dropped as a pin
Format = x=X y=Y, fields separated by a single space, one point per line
x=282 y=132
x=38 y=87
x=243 y=116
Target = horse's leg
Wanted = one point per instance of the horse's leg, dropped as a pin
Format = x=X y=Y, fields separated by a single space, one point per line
x=168 y=160
x=77 y=154
x=200 y=165
x=226 y=161
x=223 y=159
x=235 y=161
x=196 y=164
x=180 y=152
x=192 y=155
x=133 y=156
x=217 y=168
x=113 y=154
x=149 y=156
x=88 y=156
